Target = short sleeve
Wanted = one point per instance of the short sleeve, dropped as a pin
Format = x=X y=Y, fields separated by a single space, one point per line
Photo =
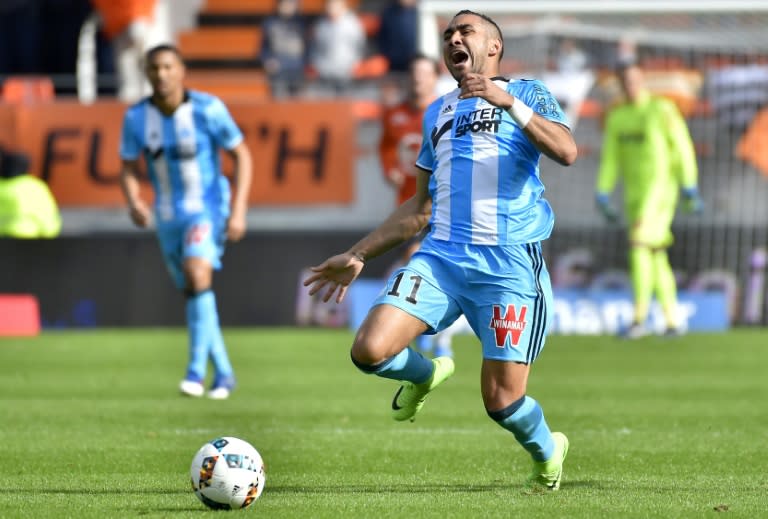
x=224 y=130
x=426 y=158
x=130 y=147
x=540 y=99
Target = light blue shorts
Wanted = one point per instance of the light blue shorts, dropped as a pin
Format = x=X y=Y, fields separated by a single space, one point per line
x=504 y=291
x=198 y=236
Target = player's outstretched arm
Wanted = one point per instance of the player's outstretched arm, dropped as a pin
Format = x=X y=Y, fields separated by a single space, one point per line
x=334 y=275
x=404 y=223
x=243 y=172
x=337 y=272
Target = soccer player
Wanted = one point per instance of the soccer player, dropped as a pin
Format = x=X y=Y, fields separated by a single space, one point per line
x=401 y=127
x=179 y=133
x=479 y=188
x=647 y=142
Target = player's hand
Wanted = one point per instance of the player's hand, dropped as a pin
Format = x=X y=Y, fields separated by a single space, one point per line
x=603 y=204
x=140 y=214
x=236 y=227
x=692 y=202
x=334 y=275
x=478 y=85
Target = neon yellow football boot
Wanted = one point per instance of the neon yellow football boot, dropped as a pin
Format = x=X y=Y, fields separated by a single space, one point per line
x=547 y=474
x=409 y=399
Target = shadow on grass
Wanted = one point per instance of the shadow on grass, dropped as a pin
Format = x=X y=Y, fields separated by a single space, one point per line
x=376 y=489
x=92 y=491
x=426 y=488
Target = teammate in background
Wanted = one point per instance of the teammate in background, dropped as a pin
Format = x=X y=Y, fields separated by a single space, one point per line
x=401 y=134
x=179 y=133
x=647 y=142
x=479 y=190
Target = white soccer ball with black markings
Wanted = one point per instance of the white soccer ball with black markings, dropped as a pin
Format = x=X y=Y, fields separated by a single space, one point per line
x=227 y=473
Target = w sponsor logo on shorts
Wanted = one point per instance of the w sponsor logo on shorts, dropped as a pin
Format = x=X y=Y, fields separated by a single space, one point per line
x=509 y=324
x=197 y=233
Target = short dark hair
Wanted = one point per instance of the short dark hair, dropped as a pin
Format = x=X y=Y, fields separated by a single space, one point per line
x=625 y=64
x=163 y=47
x=488 y=20
x=421 y=56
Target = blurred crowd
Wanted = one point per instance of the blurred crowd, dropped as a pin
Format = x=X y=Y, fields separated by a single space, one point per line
x=327 y=49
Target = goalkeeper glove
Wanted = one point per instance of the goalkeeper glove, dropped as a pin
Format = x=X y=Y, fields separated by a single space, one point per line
x=604 y=206
x=692 y=202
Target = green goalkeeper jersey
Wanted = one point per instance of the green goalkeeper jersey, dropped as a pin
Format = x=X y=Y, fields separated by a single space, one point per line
x=648 y=145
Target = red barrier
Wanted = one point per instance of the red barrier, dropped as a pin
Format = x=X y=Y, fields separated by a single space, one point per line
x=19 y=315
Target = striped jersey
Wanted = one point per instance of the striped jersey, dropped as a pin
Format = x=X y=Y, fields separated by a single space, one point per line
x=484 y=181
x=181 y=152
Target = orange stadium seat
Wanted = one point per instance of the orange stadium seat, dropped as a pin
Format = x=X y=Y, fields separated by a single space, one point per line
x=220 y=43
x=264 y=7
x=236 y=84
x=372 y=67
x=27 y=89
x=371 y=23
x=313 y=6
x=240 y=6
x=318 y=6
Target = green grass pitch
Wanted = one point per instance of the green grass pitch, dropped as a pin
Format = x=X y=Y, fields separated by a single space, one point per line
x=92 y=426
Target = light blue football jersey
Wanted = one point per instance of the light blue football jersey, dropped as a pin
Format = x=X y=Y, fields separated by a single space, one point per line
x=485 y=183
x=181 y=152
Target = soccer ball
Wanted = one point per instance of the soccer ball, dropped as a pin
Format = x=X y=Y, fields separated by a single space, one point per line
x=227 y=473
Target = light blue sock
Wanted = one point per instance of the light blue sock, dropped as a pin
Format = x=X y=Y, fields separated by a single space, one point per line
x=525 y=419
x=198 y=307
x=223 y=374
x=407 y=365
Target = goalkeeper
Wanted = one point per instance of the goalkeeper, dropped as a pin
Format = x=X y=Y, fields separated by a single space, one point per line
x=647 y=143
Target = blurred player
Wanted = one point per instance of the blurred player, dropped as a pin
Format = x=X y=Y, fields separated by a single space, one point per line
x=179 y=133
x=401 y=134
x=399 y=148
x=479 y=189
x=647 y=142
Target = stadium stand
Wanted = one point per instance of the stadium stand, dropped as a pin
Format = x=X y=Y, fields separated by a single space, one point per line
x=221 y=44
x=223 y=50
x=227 y=39
x=233 y=85
x=259 y=8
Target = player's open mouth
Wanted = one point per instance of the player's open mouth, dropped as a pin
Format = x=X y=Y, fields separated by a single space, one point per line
x=458 y=57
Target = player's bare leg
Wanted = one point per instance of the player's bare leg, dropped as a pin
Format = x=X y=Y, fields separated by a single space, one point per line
x=503 y=386
x=381 y=348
